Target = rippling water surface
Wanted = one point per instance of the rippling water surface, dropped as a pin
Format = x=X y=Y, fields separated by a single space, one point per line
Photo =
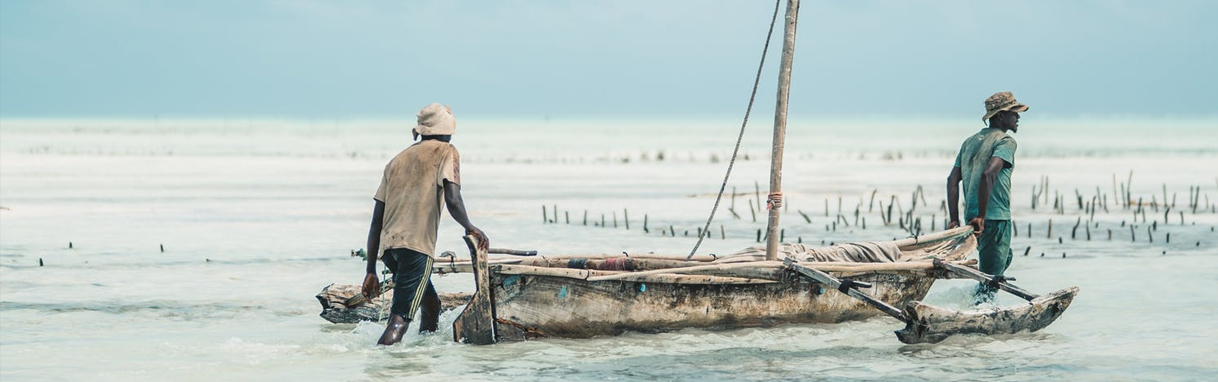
x=255 y=217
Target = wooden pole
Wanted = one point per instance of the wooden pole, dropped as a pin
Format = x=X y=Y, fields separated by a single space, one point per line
x=780 y=122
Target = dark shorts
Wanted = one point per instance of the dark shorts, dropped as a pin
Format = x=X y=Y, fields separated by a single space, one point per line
x=411 y=282
x=994 y=247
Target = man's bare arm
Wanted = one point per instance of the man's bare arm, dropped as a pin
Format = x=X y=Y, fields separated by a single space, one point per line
x=371 y=286
x=953 y=197
x=456 y=208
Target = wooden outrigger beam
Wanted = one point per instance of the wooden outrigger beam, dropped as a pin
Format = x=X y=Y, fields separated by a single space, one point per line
x=999 y=281
x=847 y=286
x=513 y=252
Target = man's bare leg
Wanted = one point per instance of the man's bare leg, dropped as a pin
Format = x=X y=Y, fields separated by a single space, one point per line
x=394 y=330
x=430 y=310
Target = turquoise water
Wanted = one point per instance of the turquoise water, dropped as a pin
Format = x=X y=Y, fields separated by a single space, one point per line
x=255 y=217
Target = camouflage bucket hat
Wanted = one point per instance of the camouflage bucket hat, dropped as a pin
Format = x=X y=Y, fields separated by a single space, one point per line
x=1002 y=101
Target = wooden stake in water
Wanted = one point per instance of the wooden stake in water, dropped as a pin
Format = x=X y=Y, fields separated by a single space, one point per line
x=1045 y=188
x=733 y=198
x=753 y=211
x=757 y=192
x=1129 y=189
x=1035 y=197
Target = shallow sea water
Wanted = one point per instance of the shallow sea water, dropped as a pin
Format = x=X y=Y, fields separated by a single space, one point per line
x=255 y=217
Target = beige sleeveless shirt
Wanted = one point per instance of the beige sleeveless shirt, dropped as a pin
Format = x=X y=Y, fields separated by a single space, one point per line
x=412 y=189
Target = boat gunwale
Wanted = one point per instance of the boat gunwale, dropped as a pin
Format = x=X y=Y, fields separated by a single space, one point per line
x=954 y=245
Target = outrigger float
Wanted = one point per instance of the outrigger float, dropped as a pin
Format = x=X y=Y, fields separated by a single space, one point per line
x=582 y=296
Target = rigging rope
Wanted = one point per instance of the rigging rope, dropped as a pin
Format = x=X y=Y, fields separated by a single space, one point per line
x=739 y=137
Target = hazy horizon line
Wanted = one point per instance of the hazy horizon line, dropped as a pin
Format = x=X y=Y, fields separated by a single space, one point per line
x=754 y=118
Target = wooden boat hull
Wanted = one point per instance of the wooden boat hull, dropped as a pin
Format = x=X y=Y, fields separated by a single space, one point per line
x=557 y=297
x=528 y=306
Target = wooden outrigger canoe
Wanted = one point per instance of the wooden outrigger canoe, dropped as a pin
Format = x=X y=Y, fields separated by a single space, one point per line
x=578 y=297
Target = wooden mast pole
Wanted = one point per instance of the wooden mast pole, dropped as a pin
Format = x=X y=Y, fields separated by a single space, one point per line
x=780 y=124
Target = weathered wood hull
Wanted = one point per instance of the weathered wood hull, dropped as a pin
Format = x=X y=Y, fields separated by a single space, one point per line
x=529 y=306
x=553 y=297
x=543 y=306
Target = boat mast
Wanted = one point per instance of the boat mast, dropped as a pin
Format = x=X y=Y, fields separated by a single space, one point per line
x=780 y=124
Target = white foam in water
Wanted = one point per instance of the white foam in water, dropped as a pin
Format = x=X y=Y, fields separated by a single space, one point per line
x=256 y=217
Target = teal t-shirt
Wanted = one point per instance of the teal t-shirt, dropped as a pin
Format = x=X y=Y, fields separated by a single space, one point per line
x=974 y=155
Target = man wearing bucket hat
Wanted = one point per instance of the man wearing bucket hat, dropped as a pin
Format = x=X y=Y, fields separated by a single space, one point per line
x=984 y=163
x=406 y=218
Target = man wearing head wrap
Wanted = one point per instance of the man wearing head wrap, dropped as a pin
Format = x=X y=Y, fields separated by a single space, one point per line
x=406 y=218
x=984 y=163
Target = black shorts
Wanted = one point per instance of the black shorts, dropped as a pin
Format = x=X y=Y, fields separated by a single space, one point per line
x=411 y=280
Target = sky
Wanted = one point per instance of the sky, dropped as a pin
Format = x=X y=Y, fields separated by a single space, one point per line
x=591 y=58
